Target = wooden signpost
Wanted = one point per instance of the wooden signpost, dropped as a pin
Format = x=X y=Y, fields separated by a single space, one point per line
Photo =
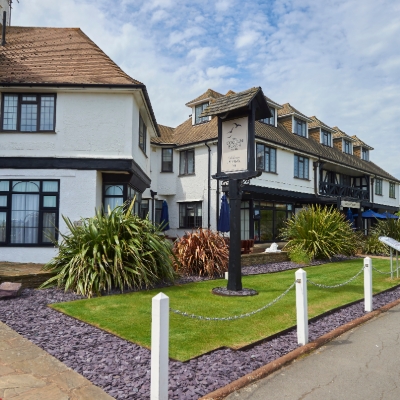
x=237 y=114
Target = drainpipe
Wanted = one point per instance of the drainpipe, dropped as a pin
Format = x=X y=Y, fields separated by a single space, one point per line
x=316 y=180
x=152 y=193
x=209 y=186
x=372 y=191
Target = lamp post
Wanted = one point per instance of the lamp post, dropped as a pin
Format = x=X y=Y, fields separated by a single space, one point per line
x=236 y=115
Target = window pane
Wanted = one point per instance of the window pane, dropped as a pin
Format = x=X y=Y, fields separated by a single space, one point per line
x=49 y=227
x=28 y=98
x=182 y=163
x=114 y=190
x=260 y=156
x=190 y=162
x=4 y=186
x=47 y=113
x=50 y=186
x=166 y=160
x=3 y=201
x=32 y=186
x=24 y=218
x=28 y=117
x=49 y=201
x=272 y=156
x=296 y=166
x=10 y=112
x=306 y=168
x=112 y=202
x=3 y=219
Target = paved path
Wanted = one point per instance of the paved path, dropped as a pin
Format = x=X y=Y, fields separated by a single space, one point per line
x=363 y=363
x=29 y=373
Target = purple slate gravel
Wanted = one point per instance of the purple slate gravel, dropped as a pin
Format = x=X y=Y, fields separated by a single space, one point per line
x=122 y=368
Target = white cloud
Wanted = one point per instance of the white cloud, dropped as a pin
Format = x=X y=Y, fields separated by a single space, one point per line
x=337 y=60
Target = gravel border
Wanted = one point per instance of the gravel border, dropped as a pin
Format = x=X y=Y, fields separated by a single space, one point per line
x=122 y=368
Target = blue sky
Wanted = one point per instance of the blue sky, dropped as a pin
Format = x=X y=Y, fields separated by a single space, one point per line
x=336 y=59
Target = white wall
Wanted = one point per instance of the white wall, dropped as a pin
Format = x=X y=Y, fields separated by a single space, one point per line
x=88 y=125
x=284 y=178
x=385 y=199
x=79 y=196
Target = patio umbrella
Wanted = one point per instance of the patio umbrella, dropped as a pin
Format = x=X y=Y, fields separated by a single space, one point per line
x=164 y=219
x=372 y=214
x=224 y=216
x=391 y=216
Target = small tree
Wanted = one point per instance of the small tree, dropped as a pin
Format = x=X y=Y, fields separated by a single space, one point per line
x=115 y=250
x=319 y=233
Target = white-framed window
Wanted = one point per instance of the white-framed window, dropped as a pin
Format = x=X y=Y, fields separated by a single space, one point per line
x=142 y=134
x=364 y=154
x=197 y=111
x=270 y=120
x=190 y=215
x=266 y=158
x=300 y=127
x=392 y=190
x=301 y=167
x=347 y=148
x=28 y=112
x=378 y=186
x=326 y=138
x=28 y=212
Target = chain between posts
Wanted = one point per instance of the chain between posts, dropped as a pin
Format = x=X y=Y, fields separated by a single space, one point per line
x=384 y=273
x=184 y=314
x=338 y=285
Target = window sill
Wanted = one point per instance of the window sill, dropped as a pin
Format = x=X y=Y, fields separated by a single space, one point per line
x=28 y=245
x=179 y=176
x=270 y=172
x=166 y=172
x=302 y=179
x=379 y=194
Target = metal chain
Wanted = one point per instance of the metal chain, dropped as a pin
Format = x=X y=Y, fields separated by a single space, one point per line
x=338 y=285
x=383 y=273
x=236 y=316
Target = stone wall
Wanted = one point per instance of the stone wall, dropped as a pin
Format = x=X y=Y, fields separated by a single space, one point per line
x=263 y=258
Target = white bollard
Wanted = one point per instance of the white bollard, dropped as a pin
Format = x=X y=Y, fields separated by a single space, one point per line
x=301 y=306
x=159 y=347
x=367 y=284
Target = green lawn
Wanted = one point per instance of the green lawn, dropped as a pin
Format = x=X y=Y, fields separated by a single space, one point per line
x=129 y=315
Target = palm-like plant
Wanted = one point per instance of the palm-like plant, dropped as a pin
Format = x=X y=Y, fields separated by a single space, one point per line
x=114 y=250
x=321 y=232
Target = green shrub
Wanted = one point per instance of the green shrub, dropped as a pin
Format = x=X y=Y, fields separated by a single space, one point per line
x=385 y=227
x=320 y=232
x=202 y=252
x=298 y=255
x=115 y=250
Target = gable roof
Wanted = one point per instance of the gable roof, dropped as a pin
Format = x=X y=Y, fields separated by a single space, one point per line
x=288 y=109
x=41 y=57
x=317 y=123
x=359 y=142
x=58 y=56
x=166 y=135
x=209 y=94
x=338 y=134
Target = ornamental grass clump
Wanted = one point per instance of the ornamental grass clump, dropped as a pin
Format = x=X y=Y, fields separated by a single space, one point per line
x=202 y=252
x=320 y=232
x=386 y=227
x=118 y=250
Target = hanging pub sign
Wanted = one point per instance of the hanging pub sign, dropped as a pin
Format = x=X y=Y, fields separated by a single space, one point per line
x=234 y=145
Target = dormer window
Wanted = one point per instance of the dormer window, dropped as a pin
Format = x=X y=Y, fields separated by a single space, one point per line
x=347 y=146
x=365 y=154
x=300 y=127
x=198 y=110
x=326 y=138
x=271 y=120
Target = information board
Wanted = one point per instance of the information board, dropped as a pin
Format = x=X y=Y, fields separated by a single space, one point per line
x=394 y=244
